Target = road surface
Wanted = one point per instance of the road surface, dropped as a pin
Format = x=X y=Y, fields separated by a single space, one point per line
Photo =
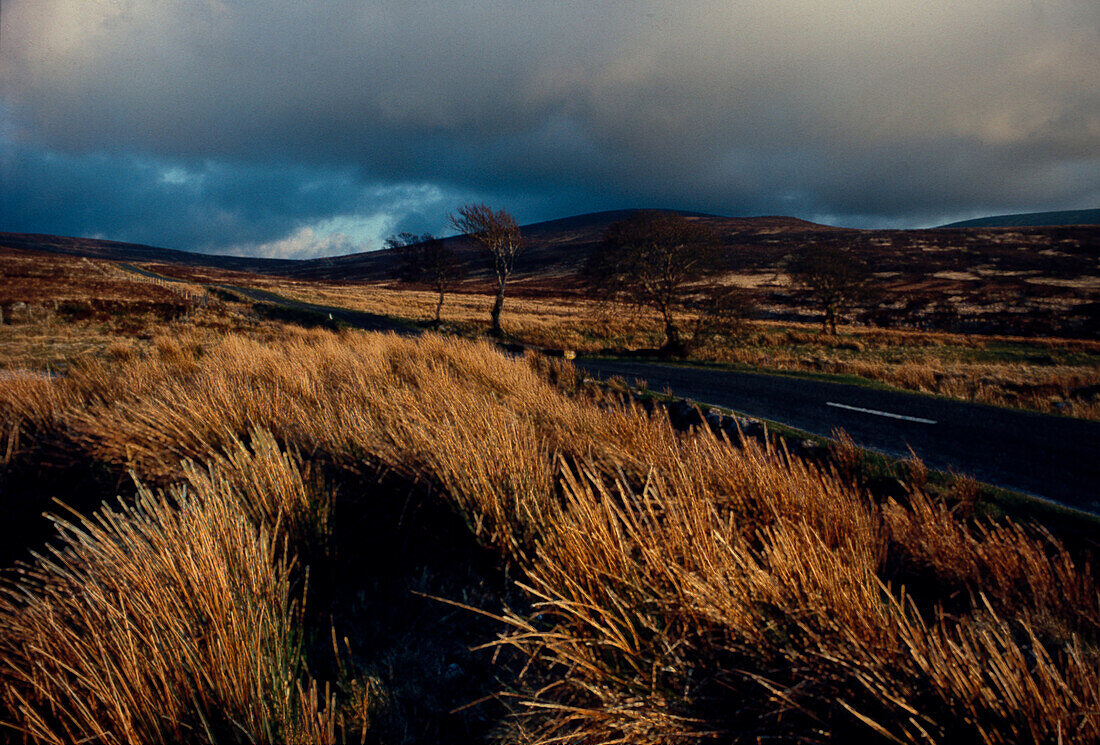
x=1057 y=458
x=356 y=318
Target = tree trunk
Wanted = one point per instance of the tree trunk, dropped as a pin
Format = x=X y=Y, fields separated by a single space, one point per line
x=439 y=309
x=674 y=343
x=498 y=306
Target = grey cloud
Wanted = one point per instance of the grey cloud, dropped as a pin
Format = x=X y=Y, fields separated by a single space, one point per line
x=274 y=208
x=881 y=109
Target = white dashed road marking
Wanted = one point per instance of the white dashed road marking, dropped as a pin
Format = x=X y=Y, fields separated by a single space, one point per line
x=918 y=419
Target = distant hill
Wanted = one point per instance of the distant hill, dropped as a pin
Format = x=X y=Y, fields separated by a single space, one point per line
x=94 y=248
x=1027 y=279
x=1031 y=219
x=554 y=248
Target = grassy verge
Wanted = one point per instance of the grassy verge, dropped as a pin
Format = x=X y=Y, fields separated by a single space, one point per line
x=1043 y=374
x=888 y=475
x=626 y=582
x=737 y=367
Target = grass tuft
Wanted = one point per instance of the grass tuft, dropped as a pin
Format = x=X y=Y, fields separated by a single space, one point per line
x=675 y=588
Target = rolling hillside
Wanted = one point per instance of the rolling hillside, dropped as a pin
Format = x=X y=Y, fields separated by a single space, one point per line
x=1030 y=280
x=552 y=248
x=94 y=248
x=1032 y=219
x=555 y=248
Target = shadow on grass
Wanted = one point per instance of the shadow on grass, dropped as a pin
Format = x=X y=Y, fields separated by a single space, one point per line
x=399 y=550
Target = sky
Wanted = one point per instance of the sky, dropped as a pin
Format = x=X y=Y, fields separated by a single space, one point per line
x=298 y=129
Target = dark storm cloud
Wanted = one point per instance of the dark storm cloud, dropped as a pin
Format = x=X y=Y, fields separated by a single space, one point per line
x=274 y=209
x=876 y=112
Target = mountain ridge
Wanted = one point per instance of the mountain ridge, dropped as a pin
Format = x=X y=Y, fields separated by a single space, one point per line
x=575 y=231
x=556 y=250
x=1031 y=220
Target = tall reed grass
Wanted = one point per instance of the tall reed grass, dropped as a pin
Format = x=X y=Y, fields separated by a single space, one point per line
x=171 y=619
x=684 y=588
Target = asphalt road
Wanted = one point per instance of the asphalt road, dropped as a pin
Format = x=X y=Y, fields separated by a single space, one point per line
x=1057 y=458
x=357 y=318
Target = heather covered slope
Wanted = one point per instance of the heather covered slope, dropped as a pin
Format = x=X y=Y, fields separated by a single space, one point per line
x=1061 y=263
x=94 y=248
x=554 y=250
x=1005 y=280
x=1064 y=217
x=642 y=585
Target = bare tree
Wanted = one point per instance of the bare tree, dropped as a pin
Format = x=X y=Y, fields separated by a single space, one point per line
x=440 y=268
x=498 y=235
x=833 y=277
x=429 y=260
x=657 y=260
x=407 y=247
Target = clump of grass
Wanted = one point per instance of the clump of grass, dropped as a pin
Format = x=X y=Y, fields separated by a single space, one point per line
x=121 y=351
x=667 y=618
x=169 y=619
x=683 y=588
x=847 y=457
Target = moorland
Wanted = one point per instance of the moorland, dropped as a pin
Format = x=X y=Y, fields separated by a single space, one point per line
x=1000 y=315
x=227 y=524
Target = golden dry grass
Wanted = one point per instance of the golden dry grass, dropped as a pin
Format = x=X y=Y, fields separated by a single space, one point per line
x=1053 y=375
x=564 y=323
x=170 y=619
x=1046 y=374
x=60 y=310
x=682 y=588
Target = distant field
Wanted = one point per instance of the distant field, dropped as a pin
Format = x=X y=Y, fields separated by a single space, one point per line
x=59 y=309
x=118 y=313
x=1045 y=374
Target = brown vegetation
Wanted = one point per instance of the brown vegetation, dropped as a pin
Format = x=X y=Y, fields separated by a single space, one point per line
x=57 y=309
x=670 y=588
x=1033 y=281
x=977 y=314
x=1053 y=375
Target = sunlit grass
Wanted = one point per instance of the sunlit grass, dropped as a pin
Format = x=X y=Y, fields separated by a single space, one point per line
x=682 y=588
x=1053 y=375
